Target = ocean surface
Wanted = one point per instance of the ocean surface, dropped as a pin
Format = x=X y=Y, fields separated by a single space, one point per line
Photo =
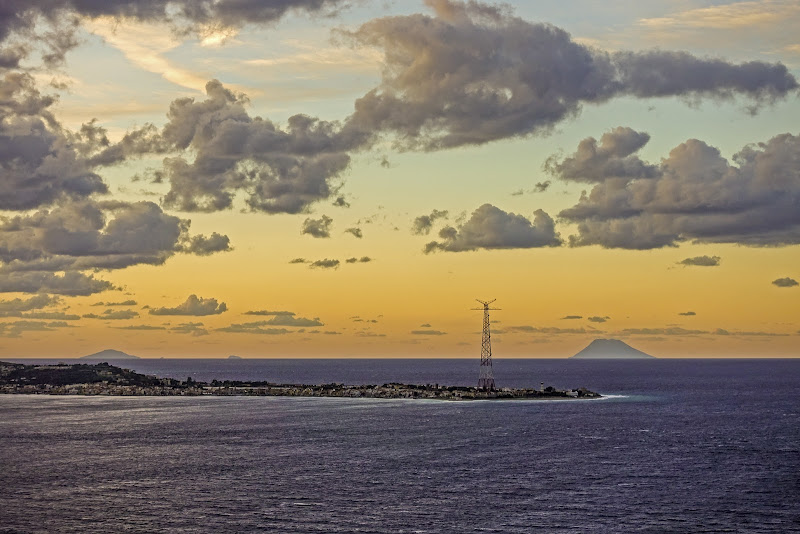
x=675 y=446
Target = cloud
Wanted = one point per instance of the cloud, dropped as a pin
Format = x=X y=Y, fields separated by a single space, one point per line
x=142 y=327
x=193 y=329
x=541 y=187
x=325 y=264
x=597 y=319
x=701 y=261
x=291 y=320
x=341 y=202
x=298 y=260
x=356 y=232
x=193 y=305
x=428 y=333
x=42 y=163
x=205 y=246
x=282 y=170
x=670 y=331
x=488 y=75
x=122 y=303
x=369 y=334
x=570 y=317
x=527 y=329
x=70 y=283
x=687 y=314
x=785 y=282
x=268 y=312
x=253 y=328
x=423 y=224
x=77 y=236
x=362 y=259
x=694 y=195
x=612 y=158
x=17 y=328
x=492 y=228
x=317 y=227
x=113 y=315
x=201 y=18
x=10 y=307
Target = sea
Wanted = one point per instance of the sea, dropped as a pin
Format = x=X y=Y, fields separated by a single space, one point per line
x=678 y=445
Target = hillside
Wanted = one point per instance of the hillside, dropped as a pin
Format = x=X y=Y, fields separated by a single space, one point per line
x=63 y=374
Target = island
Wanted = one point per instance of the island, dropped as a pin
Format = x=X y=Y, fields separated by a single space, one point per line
x=105 y=379
x=109 y=354
x=601 y=349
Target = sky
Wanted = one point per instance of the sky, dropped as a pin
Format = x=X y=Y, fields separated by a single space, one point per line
x=343 y=178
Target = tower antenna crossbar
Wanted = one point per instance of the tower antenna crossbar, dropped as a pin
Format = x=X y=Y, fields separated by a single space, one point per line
x=486 y=376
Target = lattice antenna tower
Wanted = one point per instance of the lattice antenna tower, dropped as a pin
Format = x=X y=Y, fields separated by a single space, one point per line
x=486 y=376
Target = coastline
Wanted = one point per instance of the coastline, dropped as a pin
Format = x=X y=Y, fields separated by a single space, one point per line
x=109 y=380
x=385 y=391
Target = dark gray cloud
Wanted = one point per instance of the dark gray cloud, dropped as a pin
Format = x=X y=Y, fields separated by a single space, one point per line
x=687 y=314
x=614 y=157
x=193 y=329
x=356 y=232
x=428 y=333
x=143 y=327
x=362 y=259
x=319 y=228
x=19 y=19
x=205 y=246
x=268 y=312
x=49 y=315
x=341 y=202
x=490 y=227
x=113 y=315
x=298 y=260
x=701 y=261
x=70 y=283
x=571 y=317
x=39 y=161
x=120 y=303
x=282 y=170
x=325 y=264
x=36 y=302
x=541 y=187
x=695 y=195
x=598 y=319
x=84 y=235
x=489 y=75
x=193 y=305
x=785 y=282
x=423 y=224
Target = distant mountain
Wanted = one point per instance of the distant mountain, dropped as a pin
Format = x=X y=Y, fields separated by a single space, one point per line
x=610 y=348
x=109 y=354
x=234 y=357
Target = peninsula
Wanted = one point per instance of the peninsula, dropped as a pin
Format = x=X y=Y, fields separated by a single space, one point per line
x=105 y=379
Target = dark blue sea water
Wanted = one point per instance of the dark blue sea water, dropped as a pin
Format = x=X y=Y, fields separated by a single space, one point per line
x=677 y=446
